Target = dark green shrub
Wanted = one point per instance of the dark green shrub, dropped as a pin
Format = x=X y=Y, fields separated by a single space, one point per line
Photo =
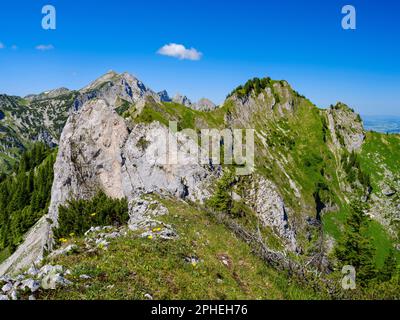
x=221 y=200
x=77 y=216
x=255 y=84
x=239 y=209
x=354 y=248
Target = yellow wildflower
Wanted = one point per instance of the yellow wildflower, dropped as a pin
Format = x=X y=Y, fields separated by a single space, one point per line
x=71 y=234
x=93 y=214
x=150 y=237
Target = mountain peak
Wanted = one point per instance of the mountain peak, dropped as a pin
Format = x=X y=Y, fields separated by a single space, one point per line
x=107 y=77
x=50 y=94
x=181 y=99
x=112 y=72
x=113 y=86
x=205 y=104
x=164 y=96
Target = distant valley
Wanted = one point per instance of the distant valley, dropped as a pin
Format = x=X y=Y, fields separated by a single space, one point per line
x=383 y=124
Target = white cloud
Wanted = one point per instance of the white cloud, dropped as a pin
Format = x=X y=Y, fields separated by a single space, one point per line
x=1 y=45
x=14 y=47
x=44 y=47
x=179 y=51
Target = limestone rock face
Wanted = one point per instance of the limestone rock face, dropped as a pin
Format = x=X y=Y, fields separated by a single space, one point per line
x=346 y=127
x=263 y=196
x=157 y=160
x=30 y=251
x=277 y=101
x=89 y=156
x=99 y=152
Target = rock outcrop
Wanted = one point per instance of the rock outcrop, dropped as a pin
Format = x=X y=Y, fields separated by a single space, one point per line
x=27 y=284
x=30 y=251
x=183 y=100
x=346 y=127
x=164 y=97
x=264 y=198
x=100 y=151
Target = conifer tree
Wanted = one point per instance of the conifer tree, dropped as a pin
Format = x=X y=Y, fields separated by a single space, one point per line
x=389 y=267
x=355 y=248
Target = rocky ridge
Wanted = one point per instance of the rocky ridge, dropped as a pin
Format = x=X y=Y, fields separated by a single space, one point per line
x=100 y=150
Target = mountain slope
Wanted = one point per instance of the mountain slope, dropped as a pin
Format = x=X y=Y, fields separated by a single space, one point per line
x=315 y=158
x=205 y=261
x=24 y=121
x=25 y=197
x=315 y=170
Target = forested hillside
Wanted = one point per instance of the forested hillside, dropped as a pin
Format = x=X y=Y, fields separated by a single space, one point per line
x=25 y=195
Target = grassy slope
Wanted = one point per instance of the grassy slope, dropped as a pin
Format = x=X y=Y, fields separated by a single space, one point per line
x=134 y=266
x=185 y=117
x=380 y=151
x=334 y=224
x=309 y=159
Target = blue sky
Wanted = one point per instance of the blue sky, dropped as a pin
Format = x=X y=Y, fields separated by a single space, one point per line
x=299 y=41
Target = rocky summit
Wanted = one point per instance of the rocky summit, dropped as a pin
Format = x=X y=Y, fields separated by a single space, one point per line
x=111 y=192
